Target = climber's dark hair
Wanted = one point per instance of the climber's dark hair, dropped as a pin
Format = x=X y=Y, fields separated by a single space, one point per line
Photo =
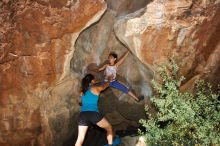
x=113 y=54
x=86 y=81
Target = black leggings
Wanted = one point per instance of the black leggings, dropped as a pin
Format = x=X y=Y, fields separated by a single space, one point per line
x=86 y=118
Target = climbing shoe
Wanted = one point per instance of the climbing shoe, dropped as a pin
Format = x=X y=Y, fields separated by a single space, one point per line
x=116 y=141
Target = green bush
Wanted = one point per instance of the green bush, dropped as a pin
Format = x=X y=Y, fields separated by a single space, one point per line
x=182 y=118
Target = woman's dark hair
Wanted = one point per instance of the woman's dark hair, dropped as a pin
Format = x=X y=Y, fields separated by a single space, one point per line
x=86 y=81
x=113 y=54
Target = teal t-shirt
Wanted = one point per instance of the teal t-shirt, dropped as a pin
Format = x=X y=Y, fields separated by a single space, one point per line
x=89 y=101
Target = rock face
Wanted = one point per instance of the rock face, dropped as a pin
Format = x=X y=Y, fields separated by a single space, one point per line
x=37 y=92
x=123 y=7
x=45 y=50
x=93 y=45
x=133 y=141
x=186 y=29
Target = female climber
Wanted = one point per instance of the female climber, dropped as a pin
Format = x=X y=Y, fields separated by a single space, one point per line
x=111 y=70
x=89 y=110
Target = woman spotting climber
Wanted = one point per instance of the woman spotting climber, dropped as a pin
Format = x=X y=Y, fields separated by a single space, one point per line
x=111 y=70
x=89 y=110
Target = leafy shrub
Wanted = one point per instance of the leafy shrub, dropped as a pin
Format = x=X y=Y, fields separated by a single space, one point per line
x=183 y=118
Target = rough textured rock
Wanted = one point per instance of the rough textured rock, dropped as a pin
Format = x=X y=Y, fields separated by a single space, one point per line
x=94 y=45
x=123 y=7
x=37 y=92
x=41 y=63
x=133 y=141
x=187 y=29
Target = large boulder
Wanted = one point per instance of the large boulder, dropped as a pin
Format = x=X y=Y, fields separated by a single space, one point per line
x=38 y=103
x=47 y=46
x=188 y=30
